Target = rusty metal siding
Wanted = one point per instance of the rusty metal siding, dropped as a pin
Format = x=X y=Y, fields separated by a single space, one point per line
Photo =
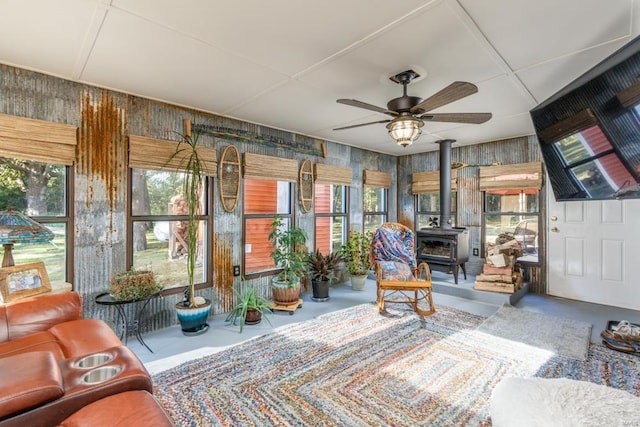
x=105 y=118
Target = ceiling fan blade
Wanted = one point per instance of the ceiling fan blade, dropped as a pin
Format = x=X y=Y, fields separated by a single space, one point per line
x=360 y=104
x=361 y=124
x=451 y=93
x=473 y=118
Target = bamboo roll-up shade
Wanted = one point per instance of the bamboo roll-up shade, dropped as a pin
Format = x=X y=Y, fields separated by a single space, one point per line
x=257 y=166
x=331 y=174
x=37 y=140
x=520 y=176
x=429 y=182
x=377 y=179
x=630 y=96
x=158 y=154
x=581 y=120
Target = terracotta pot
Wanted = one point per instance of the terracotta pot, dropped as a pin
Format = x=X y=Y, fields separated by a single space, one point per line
x=285 y=293
x=253 y=317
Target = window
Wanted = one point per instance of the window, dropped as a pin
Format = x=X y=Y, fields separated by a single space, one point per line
x=41 y=191
x=263 y=200
x=375 y=208
x=158 y=224
x=331 y=216
x=516 y=212
x=591 y=160
x=427 y=206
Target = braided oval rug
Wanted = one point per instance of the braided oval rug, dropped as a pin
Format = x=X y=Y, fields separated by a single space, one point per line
x=357 y=368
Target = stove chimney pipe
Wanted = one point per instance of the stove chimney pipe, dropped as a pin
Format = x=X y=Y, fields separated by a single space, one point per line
x=445 y=182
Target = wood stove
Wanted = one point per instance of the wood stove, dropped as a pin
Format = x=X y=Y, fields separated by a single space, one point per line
x=444 y=249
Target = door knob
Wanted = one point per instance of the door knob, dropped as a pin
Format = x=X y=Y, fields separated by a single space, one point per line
x=554 y=229
x=554 y=218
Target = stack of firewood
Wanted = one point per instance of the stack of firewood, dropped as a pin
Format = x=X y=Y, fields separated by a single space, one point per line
x=500 y=273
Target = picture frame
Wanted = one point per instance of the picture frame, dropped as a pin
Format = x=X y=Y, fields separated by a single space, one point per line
x=24 y=280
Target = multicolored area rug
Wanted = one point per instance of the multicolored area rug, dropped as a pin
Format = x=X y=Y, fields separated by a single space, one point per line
x=357 y=368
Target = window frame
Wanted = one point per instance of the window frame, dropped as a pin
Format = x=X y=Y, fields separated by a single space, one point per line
x=67 y=219
x=383 y=213
x=418 y=213
x=537 y=214
x=207 y=217
x=344 y=214
x=291 y=216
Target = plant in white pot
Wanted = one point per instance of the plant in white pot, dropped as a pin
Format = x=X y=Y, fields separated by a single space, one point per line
x=193 y=311
x=289 y=253
x=356 y=254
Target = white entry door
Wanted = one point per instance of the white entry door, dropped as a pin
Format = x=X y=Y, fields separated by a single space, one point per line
x=594 y=251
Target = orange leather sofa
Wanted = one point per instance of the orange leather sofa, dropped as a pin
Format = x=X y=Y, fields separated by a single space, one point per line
x=60 y=369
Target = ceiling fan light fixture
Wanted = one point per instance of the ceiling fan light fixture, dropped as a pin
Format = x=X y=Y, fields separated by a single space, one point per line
x=405 y=129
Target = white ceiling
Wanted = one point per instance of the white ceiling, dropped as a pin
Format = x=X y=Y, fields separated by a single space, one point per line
x=283 y=63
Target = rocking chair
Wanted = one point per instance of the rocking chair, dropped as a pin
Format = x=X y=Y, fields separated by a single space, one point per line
x=398 y=277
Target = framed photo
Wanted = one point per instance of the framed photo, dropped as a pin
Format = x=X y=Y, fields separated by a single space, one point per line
x=23 y=280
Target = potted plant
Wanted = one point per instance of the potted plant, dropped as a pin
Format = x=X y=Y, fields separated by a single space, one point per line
x=322 y=268
x=193 y=311
x=356 y=254
x=250 y=309
x=289 y=253
x=133 y=285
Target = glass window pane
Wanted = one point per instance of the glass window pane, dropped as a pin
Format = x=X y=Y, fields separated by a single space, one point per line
x=33 y=188
x=511 y=201
x=602 y=177
x=159 y=193
x=374 y=199
x=53 y=253
x=583 y=145
x=257 y=246
x=329 y=198
x=372 y=222
x=266 y=197
x=163 y=250
x=522 y=227
x=331 y=233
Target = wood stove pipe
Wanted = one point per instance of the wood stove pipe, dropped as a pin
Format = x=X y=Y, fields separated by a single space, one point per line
x=445 y=182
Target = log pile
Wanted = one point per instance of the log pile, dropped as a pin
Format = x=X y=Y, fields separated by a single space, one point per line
x=500 y=273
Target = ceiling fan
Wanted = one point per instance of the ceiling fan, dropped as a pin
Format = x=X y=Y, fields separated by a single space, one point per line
x=410 y=112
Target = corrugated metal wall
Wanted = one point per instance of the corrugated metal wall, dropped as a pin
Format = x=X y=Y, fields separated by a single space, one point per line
x=104 y=119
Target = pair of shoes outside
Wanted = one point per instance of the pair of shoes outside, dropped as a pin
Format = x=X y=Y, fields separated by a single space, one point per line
x=624 y=327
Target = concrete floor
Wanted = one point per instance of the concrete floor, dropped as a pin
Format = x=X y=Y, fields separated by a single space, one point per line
x=170 y=347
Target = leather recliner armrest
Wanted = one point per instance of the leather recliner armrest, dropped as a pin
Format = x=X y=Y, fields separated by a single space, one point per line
x=28 y=380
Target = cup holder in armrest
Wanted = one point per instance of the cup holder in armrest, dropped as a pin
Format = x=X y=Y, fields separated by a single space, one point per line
x=93 y=360
x=101 y=374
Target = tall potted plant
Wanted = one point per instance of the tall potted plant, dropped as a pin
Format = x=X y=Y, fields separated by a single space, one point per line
x=193 y=311
x=322 y=268
x=356 y=254
x=288 y=253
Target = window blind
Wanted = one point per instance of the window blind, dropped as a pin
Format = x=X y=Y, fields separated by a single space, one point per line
x=151 y=153
x=377 y=179
x=330 y=174
x=37 y=140
x=519 y=176
x=429 y=181
x=257 y=166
